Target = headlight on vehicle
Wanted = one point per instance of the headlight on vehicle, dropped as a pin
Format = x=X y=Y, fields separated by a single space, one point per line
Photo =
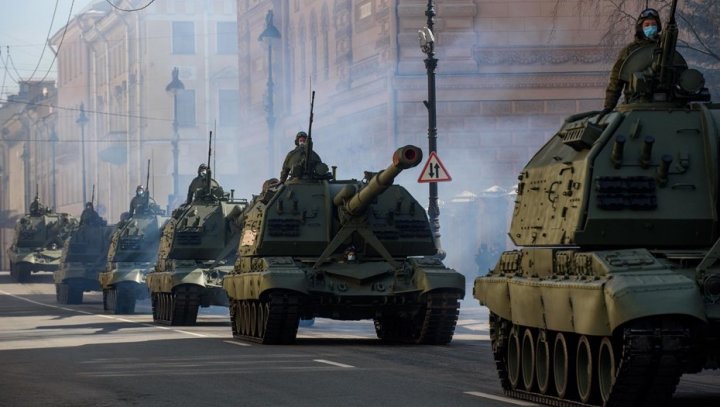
x=711 y=288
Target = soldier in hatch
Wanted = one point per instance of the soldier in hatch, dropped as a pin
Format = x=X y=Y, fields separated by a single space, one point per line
x=139 y=201
x=199 y=182
x=647 y=29
x=36 y=208
x=89 y=216
x=296 y=158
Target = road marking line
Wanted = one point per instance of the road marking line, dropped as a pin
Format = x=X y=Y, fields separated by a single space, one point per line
x=190 y=333
x=104 y=316
x=328 y=362
x=501 y=398
x=237 y=343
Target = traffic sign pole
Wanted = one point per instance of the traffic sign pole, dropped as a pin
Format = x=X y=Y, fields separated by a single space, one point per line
x=427 y=45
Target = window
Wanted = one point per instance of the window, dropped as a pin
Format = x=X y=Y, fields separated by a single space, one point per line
x=229 y=107
x=365 y=10
x=183 y=37
x=186 y=108
x=227 y=37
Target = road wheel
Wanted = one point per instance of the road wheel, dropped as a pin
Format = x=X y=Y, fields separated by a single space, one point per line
x=584 y=369
x=606 y=368
x=527 y=356
x=542 y=362
x=513 y=358
x=563 y=365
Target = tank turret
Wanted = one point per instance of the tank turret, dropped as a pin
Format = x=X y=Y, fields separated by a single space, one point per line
x=342 y=249
x=615 y=276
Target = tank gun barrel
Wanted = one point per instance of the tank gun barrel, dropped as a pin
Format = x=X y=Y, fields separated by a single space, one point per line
x=403 y=158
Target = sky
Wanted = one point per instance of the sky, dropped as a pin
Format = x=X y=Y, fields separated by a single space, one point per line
x=24 y=27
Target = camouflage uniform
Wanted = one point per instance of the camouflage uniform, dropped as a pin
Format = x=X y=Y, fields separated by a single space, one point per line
x=295 y=158
x=199 y=183
x=137 y=203
x=616 y=85
x=90 y=217
x=36 y=208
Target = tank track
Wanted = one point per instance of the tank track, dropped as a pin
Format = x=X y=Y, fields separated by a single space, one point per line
x=653 y=355
x=68 y=293
x=177 y=308
x=273 y=321
x=120 y=298
x=20 y=272
x=441 y=315
x=434 y=324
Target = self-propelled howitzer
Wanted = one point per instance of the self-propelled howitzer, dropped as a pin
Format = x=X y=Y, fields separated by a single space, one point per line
x=614 y=292
x=132 y=254
x=197 y=248
x=39 y=239
x=83 y=258
x=346 y=250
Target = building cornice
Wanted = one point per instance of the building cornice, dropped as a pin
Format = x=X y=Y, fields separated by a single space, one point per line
x=542 y=55
x=508 y=81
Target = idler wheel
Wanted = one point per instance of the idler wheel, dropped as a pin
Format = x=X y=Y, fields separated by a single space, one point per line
x=528 y=359
x=542 y=362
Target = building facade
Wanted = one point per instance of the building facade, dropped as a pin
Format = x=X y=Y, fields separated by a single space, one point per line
x=508 y=73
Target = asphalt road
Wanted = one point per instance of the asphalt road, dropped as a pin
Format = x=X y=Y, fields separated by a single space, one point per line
x=54 y=355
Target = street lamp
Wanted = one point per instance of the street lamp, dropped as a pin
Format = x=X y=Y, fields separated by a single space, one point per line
x=270 y=35
x=53 y=145
x=427 y=45
x=173 y=88
x=82 y=121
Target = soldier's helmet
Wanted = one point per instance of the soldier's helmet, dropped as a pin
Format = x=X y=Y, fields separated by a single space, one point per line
x=88 y=205
x=298 y=136
x=648 y=13
x=139 y=190
x=202 y=166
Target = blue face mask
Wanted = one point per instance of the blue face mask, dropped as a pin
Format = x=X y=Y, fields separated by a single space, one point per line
x=650 y=31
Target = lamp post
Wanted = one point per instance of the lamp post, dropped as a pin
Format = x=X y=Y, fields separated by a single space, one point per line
x=427 y=45
x=53 y=145
x=82 y=121
x=173 y=88
x=270 y=35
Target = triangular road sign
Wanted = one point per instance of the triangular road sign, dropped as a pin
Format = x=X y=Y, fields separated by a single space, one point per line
x=434 y=170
